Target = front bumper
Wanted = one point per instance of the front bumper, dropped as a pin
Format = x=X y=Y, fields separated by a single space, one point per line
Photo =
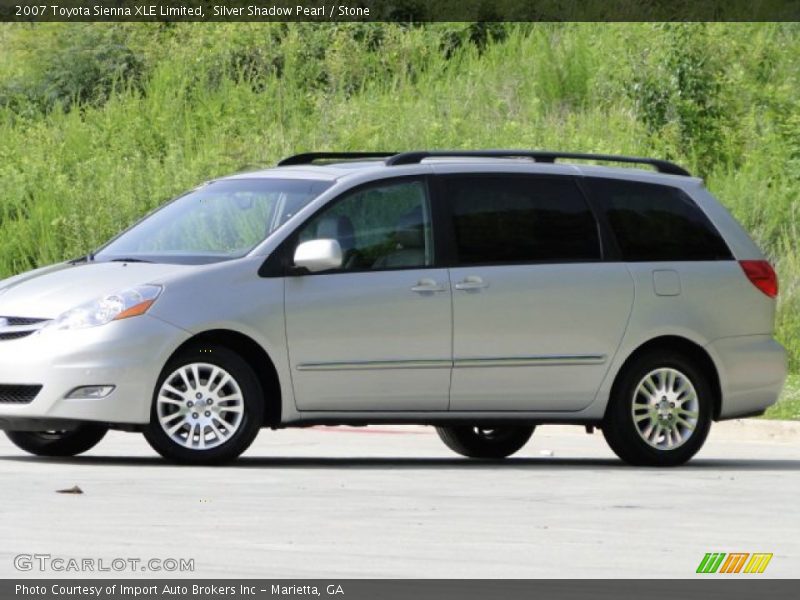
x=752 y=370
x=127 y=354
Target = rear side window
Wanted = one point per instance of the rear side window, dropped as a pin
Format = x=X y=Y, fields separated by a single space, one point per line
x=520 y=219
x=657 y=222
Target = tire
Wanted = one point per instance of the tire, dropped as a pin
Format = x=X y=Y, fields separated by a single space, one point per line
x=475 y=441
x=211 y=405
x=59 y=443
x=638 y=408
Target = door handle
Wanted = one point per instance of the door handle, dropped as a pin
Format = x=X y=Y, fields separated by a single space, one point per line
x=428 y=285
x=473 y=282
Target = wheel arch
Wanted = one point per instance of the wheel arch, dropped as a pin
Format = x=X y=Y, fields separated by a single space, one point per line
x=686 y=347
x=256 y=357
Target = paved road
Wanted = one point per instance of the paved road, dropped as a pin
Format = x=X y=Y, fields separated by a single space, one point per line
x=393 y=502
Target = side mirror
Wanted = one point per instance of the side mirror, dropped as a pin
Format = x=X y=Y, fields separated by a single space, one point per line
x=318 y=255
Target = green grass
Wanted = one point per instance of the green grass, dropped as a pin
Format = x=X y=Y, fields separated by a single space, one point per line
x=100 y=123
x=788 y=407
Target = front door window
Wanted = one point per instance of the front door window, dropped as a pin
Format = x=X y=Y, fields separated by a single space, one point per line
x=378 y=228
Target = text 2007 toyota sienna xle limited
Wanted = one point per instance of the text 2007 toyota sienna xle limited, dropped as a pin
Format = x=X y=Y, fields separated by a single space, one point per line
x=480 y=292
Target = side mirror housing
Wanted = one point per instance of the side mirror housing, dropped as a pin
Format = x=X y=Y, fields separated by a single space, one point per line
x=318 y=255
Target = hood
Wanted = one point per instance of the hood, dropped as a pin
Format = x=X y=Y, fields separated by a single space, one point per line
x=46 y=293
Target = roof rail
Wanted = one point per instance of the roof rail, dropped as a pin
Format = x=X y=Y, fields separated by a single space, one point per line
x=309 y=157
x=409 y=158
x=543 y=156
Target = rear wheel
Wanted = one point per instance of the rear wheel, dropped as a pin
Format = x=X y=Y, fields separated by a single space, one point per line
x=59 y=443
x=208 y=407
x=660 y=413
x=476 y=441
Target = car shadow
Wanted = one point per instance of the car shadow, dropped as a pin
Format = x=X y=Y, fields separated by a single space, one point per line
x=422 y=463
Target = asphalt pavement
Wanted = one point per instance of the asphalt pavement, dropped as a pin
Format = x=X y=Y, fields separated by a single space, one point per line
x=394 y=502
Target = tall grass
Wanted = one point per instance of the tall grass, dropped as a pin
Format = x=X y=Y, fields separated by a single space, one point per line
x=205 y=100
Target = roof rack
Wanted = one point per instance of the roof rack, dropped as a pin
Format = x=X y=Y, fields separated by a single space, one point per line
x=309 y=157
x=662 y=166
x=543 y=156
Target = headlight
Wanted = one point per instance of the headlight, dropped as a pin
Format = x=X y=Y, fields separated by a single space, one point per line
x=128 y=303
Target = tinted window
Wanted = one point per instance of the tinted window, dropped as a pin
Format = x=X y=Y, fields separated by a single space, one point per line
x=517 y=219
x=657 y=222
x=383 y=227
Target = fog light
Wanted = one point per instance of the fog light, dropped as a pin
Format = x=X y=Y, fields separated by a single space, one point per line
x=91 y=392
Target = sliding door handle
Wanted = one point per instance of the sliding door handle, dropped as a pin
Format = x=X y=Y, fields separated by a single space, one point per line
x=473 y=282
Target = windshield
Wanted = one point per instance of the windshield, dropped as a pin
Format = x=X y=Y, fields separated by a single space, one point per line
x=219 y=221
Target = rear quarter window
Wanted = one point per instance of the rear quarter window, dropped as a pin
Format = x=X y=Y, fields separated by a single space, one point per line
x=653 y=222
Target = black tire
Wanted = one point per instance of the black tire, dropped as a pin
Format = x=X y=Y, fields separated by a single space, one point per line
x=474 y=441
x=59 y=443
x=252 y=413
x=620 y=429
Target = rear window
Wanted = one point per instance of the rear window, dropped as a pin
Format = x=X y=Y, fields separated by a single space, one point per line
x=520 y=219
x=657 y=222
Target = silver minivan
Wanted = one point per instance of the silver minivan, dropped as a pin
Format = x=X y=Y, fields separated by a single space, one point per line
x=480 y=292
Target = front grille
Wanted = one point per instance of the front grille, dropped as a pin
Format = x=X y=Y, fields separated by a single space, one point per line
x=13 y=328
x=14 y=321
x=14 y=335
x=18 y=394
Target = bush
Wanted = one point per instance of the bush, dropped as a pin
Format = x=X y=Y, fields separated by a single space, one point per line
x=677 y=94
x=80 y=64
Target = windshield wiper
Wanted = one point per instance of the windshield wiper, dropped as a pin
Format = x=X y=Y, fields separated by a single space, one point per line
x=130 y=260
x=83 y=259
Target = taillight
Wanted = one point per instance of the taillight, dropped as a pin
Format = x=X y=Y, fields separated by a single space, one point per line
x=762 y=275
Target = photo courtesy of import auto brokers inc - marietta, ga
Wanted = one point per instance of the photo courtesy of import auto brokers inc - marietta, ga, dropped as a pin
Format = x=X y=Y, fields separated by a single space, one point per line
x=481 y=292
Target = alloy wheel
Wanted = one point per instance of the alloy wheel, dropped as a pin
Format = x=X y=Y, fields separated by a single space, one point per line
x=665 y=408
x=200 y=406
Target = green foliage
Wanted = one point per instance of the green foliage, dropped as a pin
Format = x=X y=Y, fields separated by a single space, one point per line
x=478 y=34
x=677 y=91
x=78 y=65
x=564 y=74
x=101 y=123
x=788 y=407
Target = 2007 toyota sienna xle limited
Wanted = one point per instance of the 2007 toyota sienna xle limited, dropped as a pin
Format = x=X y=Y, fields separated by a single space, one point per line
x=480 y=292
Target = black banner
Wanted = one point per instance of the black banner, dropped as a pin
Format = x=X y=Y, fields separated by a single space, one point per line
x=398 y=10
x=715 y=588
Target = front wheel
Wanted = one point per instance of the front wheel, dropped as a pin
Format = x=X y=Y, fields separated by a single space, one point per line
x=660 y=412
x=69 y=442
x=485 y=442
x=207 y=408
